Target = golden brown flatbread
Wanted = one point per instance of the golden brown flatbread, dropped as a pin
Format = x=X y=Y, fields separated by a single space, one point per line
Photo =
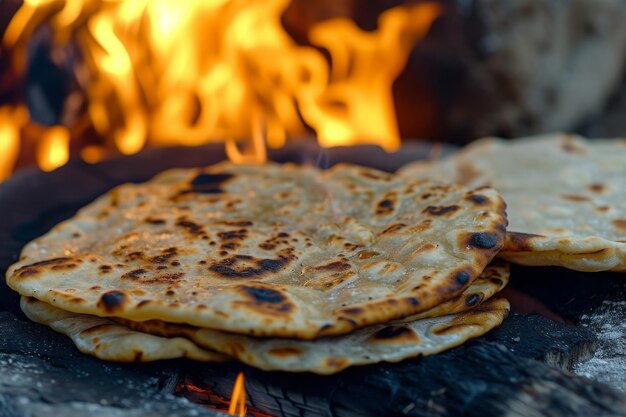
x=111 y=341
x=565 y=196
x=272 y=250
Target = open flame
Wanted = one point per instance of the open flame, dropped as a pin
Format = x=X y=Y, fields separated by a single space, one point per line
x=208 y=398
x=238 y=398
x=169 y=72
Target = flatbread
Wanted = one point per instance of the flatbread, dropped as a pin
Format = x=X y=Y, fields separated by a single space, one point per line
x=272 y=250
x=111 y=341
x=491 y=281
x=565 y=196
x=329 y=355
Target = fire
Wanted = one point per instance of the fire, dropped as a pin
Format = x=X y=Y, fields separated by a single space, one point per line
x=11 y=120
x=169 y=72
x=53 y=149
x=238 y=398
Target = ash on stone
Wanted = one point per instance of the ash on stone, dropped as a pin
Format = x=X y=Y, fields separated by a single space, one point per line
x=608 y=364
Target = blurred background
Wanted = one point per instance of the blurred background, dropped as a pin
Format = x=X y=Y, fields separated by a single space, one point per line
x=93 y=79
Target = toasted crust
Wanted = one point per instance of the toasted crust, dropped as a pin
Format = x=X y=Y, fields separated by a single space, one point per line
x=274 y=250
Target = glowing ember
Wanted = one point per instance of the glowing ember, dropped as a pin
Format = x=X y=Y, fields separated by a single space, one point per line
x=238 y=398
x=166 y=72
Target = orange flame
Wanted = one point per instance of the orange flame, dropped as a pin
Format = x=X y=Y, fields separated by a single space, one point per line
x=53 y=149
x=11 y=120
x=166 y=72
x=238 y=398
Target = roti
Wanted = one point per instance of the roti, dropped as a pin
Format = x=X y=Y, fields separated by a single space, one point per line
x=272 y=250
x=328 y=355
x=110 y=341
x=565 y=196
x=491 y=281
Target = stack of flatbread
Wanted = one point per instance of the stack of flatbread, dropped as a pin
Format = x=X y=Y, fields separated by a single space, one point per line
x=282 y=267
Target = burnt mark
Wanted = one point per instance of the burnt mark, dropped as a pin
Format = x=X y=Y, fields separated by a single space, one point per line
x=462 y=277
x=242 y=266
x=236 y=223
x=376 y=175
x=284 y=351
x=165 y=256
x=338 y=266
x=619 y=224
x=483 y=240
x=596 y=187
x=154 y=221
x=385 y=206
x=53 y=261
x=191 y=227
x=63 y=267
x=240 y=234
x=56 y=264
x=133 y=256
x=105 y=269
x=353 y=311
x=165 y=278
x=209 y=183
x=393 y=228
x=575 y=198
x=367 y=254
x=440 y=210
x=473 y=299
x=496 y=281
x=478 y=199
x=412 y=301
x=274 y=241
x=135 y=274
x=393 y=332
x=520 y=242
x=112 y=301
x=265 y=295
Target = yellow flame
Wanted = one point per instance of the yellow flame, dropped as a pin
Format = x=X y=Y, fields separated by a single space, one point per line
x=171 y=72
x=11 y=120
x=238 y=398
x=53 y=148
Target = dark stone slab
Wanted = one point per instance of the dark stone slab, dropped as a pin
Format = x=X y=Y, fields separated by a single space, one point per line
x=503 y=373
x=42 y=373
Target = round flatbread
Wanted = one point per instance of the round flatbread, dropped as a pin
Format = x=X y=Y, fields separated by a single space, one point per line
x=272 y=250
x=111 y=341
x=328 y=355
x=565 y=196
